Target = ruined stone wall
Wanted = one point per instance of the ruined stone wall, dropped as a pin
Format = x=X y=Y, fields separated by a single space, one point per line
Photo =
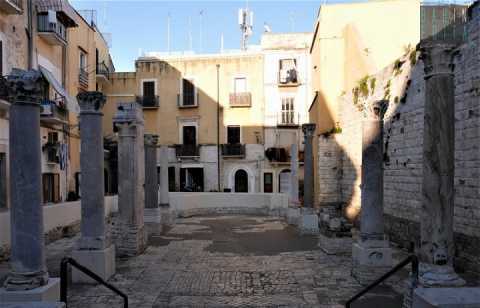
x=403 y=85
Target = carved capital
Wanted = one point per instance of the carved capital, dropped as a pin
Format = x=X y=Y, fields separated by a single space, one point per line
x=150 y=140
x=376 y=110
x=91 y=102
x=437 y=58
x=309 y=129
x=23 y=87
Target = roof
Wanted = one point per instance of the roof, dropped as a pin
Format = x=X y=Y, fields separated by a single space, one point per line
x=65 y=11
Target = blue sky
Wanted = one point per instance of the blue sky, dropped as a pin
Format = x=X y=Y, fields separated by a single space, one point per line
x=142 y=25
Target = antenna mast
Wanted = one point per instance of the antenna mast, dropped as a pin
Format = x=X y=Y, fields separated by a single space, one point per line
x=245 y=20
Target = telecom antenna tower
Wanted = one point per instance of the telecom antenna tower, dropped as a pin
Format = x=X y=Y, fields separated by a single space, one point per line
x=245 y=20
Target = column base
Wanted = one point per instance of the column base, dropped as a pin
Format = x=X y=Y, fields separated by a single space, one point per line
x=47 y=293
x=153 y=221
x=446 y=297
x=308 y=222
x=130 y=240
x=371 y=259
x=168 y=215
x=439 y=276
x=293 y=215
x=101 y=262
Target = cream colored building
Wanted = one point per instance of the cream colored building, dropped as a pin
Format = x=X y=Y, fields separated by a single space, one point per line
x=351 y=41
x=63 y=47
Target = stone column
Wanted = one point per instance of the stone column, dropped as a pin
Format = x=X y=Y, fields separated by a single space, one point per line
x=129 y=233
x=437 y=243
x=308 y=222
x=94 y=249
x=372 y=255
x=168 y=214
x=152 y=211
x=293 y=211
x=28 y=279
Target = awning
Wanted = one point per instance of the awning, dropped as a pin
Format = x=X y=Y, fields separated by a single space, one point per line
x=71 y=101
x=62 y=7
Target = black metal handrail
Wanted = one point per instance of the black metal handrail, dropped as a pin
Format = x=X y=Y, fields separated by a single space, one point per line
x=411 y=259
x=89 y=273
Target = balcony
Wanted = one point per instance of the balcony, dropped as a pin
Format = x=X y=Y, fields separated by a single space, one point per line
x=54 y=33
x=243 y=99
x=11 y=7
x=288 y=78
x=187 y=100
x=51 y=150
x=52 y=113
x=148 y=102
x=187 y=150
x=233 y=150
x=277 y=155
x=102 y=72
x=288 y=118
x=83 y=79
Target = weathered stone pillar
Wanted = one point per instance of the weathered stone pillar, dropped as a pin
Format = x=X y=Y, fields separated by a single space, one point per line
x=28 y=279
x=293 y=211
x=437 y=245
x=308 y=222
x=94 y=249
x=152 y=211
x=372 y=255
x=167 y=212
x=129 y=232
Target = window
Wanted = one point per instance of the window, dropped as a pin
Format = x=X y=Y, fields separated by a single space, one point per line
x=149 y=89
x=288 y=71
x=52 y=148
x=233 y=135
x=240 y=85
x=288 y=111
x=51 y=187
x=83 y=61
x=189 y=135
x=188 y=93
x=171 y=179
x=3 y=180
x=268 y=182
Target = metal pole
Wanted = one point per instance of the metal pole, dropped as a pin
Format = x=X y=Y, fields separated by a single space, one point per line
x=218 y=127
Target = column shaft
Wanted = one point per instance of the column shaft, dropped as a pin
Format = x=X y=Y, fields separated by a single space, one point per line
x=151 y=174
x=164 y=196
x=308 y=182
x=293 y=193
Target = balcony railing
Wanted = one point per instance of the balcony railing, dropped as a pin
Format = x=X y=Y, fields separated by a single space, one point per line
x=103 y=70
x=243 y=99
x=187 y=150
x=233 y=150
x=288 y=118
x=11 y=6
x=53 y=113
x=83 y=78
x=51 y=149
x=288 y=77
x=187 y=100
x=55 y=33
x=148 y=101
x=277 y=155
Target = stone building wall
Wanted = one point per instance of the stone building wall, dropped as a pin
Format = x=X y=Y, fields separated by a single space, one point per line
x=403 y=84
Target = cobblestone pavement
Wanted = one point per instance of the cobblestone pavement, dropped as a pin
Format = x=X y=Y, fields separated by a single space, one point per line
x=229 y=261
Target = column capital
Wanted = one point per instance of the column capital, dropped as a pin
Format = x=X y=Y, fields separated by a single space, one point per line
x=128 y=113
x=376 y=110
x=150 y=140
x=23 y=87
x=91 y=102
x=437 y=57
x=309 y=129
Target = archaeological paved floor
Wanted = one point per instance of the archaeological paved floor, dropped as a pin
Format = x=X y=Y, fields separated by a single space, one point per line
x=229 y=261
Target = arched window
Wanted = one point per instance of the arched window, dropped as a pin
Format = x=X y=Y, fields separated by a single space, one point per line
x=284 y=181
x=241 y=181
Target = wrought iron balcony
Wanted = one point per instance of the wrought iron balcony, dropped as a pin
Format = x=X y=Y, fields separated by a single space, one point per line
x=277 y=155
x=11 y=7
x=243 y=99
x=53 y=113
x=288 y=118
x=233 y=150
x=187 y=150
x=187 y=100
x=148 y=101
x=102 y=70
x=53 y=32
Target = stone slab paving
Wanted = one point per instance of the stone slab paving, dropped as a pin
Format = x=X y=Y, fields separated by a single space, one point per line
x=228 y=261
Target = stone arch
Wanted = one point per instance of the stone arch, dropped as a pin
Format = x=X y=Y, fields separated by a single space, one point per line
x=251 y=178
x=285 y=183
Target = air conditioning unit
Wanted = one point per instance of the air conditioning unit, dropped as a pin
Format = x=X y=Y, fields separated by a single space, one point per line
x=46 y=110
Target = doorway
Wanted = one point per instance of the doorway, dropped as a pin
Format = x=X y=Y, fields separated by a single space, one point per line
x=191 y=180
x=241 y=181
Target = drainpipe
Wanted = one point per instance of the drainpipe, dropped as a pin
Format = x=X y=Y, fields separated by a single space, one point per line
x=218 y=127
x=30 y=35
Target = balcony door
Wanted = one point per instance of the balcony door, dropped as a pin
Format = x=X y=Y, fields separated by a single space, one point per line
x=233 y=134
x=188 y=92
x=288 y=111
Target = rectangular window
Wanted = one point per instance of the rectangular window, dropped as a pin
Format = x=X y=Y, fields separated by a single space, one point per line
x=288 y=71
x=288 y=111
x=240 y=85
x=233 y=134
x=188 y=89
x=171 y=179
x=51 y=187
x=149 y=88
x=190 y=135
x=288 y=64
x=268 y=182
x=83 y=61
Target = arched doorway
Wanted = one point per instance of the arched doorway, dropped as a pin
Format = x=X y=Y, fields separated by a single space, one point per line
x=241 y=181
x=284 y=181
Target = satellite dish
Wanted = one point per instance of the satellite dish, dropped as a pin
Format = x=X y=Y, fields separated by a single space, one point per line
x=266 y=27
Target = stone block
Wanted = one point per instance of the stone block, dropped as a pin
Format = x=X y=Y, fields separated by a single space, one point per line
x=308 y=224
x=153 y=220
x=47 y=293
x=446 y=298
x=101 y=262
x=369 y=263
x=33 y=305
x=293 y=214
x=335 y=224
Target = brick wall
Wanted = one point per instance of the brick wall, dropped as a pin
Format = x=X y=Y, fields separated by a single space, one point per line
x=403 y=145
